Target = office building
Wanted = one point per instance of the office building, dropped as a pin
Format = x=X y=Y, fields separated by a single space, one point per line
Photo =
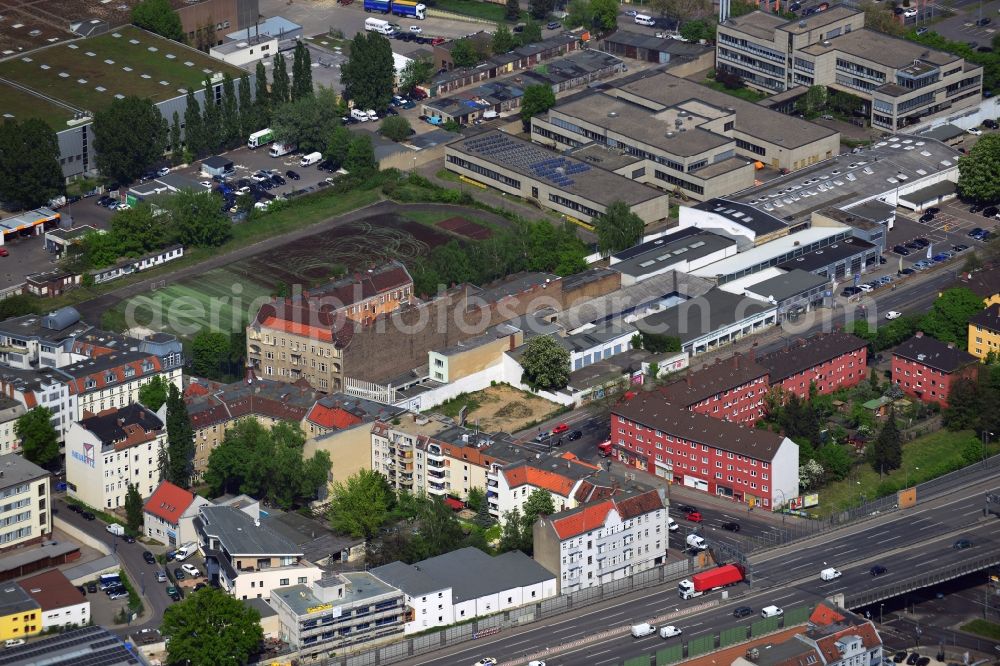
x=25 y=494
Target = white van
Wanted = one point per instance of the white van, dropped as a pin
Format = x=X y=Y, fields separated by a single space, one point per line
x=185 y=551
x=644 y=629
x=372 y=116
x=359 y=115
x=672 y=524
x=380 y=26
x=310 y=159
x=116 y=529
x=829 y=574
x=280 y=149
x=642 y=19
x=771 y=611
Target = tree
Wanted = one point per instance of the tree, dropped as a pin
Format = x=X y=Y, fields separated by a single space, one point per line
x=129 y=135
x=540 y=9
x=396 y=128
x=512 y=10
x=262 y=100
x=618 y=228
x=886 y=452
x=39 y=441
x=503 y=40
x=180 y=440
x=657 y=343
x=416 y=72
x=307 y=121
x=361 y=505
x=697 y=30
x=153 y=393
x=532 y=32
x=233 y=626
x=539 y=503
x=30 y=175
x=440 y=531
x=537 y=99
x=247 y=110
x=137 y=231
x=133 y=509
x=510 y=536
x=810 y=474
x=579 y=13
x=369 y=74
x=605 y=14
x=965 y=406
x=546 y=364
x=230 y=113
x=337 y=145
x=813 y=102
x=360 y=157
x=209 y=353
x=977 y=171
x=211 y=120
x=881 y=18
x=464 y=54
x=476 y=498
x=280 y=88
x=302 y=83
x=835 y=459
x=948 y=319
x=176 y=143
x=159 y=17
x=197 y=219
x=194 y=127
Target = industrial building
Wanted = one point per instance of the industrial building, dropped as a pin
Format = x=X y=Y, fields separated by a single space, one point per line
x=566 y=185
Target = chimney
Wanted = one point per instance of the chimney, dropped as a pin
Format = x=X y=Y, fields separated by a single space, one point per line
x=753 y=353
x=689 y=380
x=736 y=361
x=918 y=334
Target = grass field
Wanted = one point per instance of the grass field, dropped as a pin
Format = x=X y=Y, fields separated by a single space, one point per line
x=474 y=8
x=140 y=64
x=748 y=94
x=500 y=407
x=924 y=458
x=983 y=628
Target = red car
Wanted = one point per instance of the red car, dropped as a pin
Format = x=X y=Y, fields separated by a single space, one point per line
x=694 y=517
x=4 y=252
x=559 y=429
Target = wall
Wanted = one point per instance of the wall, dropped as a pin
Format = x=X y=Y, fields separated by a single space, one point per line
x=966 y=119
x=349 y=451
x=77 y=614
x=784 y=473
x=268 y=579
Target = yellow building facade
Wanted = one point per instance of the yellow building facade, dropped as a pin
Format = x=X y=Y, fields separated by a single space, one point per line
x=984 y=332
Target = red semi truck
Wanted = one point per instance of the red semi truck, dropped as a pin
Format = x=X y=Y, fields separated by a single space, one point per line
x=707 y=581
x=604 y=448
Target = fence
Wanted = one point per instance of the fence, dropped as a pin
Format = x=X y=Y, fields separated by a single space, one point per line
x=702 y=645
x=513 y=618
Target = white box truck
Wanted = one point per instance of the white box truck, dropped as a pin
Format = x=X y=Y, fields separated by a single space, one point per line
x=644 y=629
x=258 y=139
x=310 y=159
x=829 y=574
x=380 y=26
x=280 y=149
x=116 y=529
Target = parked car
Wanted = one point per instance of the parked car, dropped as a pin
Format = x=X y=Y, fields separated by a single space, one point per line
x=179 y=574
x=921 y=242
x=990 y=211
x=161 y=576
x=118 y=594
x=907 y=271
x=163 y=171
x=975 y=131
x=553 y=25
x=986 y=20
x=926 y=217
x=959 y=248
x=173 y=593
x=974 y=232
x=933 y=210
x=892 y=314
x=148 y=557
x=899 y=657
x=291 y=175
x=913 y=658
x=92 y=587
x=991 y=124
x=867 y=288
x=901 y=250
x=850 y=291
x=87 y=515
x=191 y=570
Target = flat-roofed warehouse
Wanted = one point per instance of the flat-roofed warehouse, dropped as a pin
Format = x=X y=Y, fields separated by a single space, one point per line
x=564 y=184
x=66 y=84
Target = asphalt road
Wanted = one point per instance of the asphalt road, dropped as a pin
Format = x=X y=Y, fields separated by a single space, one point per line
x=907 y=542
x=142 y=575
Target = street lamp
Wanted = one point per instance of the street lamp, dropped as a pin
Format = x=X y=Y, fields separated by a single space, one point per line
x=986 y=441
x=880 y=608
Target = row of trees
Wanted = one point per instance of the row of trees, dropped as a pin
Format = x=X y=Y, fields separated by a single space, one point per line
x=30 y=175
x=267 y=463
x=975 y=404
x=528 y=246
x=193 y=219
x=947 y=320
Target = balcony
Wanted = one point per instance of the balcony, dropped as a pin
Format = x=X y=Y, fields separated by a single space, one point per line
x=436 y=473
x=492 y=483
x=434 y=464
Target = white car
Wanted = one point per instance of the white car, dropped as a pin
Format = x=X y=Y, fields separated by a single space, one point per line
x=669 y=631
x=865 y=288
x=123 y=206
x=486 y=661
x=974 y=131
x=536 y=662
x=163 y=172
x=892 y=314
x=191 y=570
x=416 y=29
x=205 y=183
x=910 y=13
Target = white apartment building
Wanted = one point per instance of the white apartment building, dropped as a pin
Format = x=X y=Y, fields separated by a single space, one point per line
x=113 y=380
x=61 y=603
x=569 y=481
x=107 y=452
x=25 y=502
x=603 y=541
x=247 y=559
x=168 y=515
x=10 y=411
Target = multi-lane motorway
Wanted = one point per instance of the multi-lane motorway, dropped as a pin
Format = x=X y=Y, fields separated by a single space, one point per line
x=908 y=542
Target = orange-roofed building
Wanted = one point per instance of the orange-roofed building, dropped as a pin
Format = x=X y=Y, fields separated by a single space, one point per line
x=603 y=541
x=169 y=513
x=562 y=478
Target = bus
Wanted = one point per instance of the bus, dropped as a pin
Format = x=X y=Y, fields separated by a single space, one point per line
x=261 y=138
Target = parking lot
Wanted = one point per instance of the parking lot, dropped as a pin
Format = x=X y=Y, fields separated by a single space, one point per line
x=962 y=27
x=948 y=228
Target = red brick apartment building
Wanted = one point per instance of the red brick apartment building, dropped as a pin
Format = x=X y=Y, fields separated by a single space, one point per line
x=832 y=361
x=753 y=466
x=926 y=368
x=732 y=389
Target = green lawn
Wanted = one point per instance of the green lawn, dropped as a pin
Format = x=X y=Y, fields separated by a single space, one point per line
x=474 y=8
x=452 y=407
x=331 y=43
x=747 y=94
x=983 y=628
x=924 y=458
x=151 y=67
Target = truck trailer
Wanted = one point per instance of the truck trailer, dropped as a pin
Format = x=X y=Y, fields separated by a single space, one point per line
x=380 y=6
x=409 y=8
x=707 y=581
